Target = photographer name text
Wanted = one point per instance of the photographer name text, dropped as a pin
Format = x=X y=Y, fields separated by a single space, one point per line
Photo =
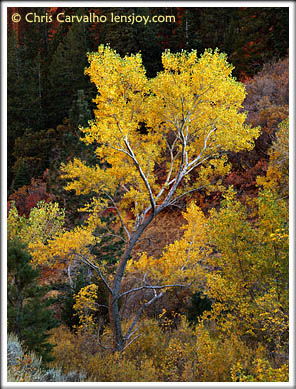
x=32 y=17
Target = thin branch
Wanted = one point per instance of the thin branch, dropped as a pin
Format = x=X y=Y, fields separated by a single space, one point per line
x=89 y=263
x=173 y=201
x=155 y=298
x=70 y=278
x=101 y=305
x=104 y=347
x=170 y=121
x=188 y=256
x=197 y=164
x=131 y=334
x=131 y=154
x=109 y=233
x=136 y=337
x=152 y=201
x=99 y=342
x=171 y=148
x=115 y=148
x=144 y=213
x=150 y=287
x=119 y=215
x=204 y=148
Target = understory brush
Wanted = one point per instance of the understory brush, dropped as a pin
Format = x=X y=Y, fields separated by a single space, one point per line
x=165 y=353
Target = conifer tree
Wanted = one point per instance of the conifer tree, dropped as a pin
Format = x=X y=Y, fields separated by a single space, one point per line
x=25 y=91
x=28 y=314
x=79 y=113
x=66 y=71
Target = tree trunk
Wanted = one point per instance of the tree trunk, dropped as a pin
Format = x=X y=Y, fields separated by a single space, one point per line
x=114 y=316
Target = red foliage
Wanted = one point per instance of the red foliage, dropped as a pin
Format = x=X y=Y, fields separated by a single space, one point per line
x=244 y=181
x=28 y=196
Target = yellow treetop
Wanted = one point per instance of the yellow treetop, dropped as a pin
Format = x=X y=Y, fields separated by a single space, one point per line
x=191 y=112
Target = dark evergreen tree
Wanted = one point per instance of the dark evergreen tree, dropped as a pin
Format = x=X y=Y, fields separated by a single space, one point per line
x=22 y=169
x=32 y=46
x=80 y=113
x=14 y=100
x=110 y=247
x=66 y=297
x=66 y=72
x=29 y=316
x=25 y=87
x=31 y=155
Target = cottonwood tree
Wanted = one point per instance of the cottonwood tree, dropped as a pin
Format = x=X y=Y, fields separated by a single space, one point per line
x=150 y=135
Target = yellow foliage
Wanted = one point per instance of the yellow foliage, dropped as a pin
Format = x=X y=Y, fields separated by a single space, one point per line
x=194 y=101
x=277 y=175
x=183 y=354
x=261 y=371
x=180 y=260
x=242 y=266
x=45 y=221
x=85 y=304
x=66 y=246
x=248 y=277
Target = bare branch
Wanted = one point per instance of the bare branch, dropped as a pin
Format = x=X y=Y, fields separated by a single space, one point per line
x=131 y=154
x=136 y=337
x=115 y=148
x=171 y=148
x=70 y=278
x=109 y=233
x=119 y=215
x=99 y=342
x=93 y=266
x=138 y=314
x=173 y=201
x=155 y=287
x=192 y=163
x=152 y=201
x=104 y=347
x=170 y=121
x=131 y=334
x=101 y=305
x=197 y=164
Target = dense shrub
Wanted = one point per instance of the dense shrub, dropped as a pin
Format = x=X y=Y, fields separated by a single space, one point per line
x=163 y=353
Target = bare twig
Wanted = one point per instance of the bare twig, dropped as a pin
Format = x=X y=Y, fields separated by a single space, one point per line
x=173 y=201
x=70 y=278
x=136 y=337
x=155 y=298
x=193 y=163
x=93 y=266
x=119 y=215
x=155 y=287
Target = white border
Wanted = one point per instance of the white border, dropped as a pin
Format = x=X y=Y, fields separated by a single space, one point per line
x=7 y=4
